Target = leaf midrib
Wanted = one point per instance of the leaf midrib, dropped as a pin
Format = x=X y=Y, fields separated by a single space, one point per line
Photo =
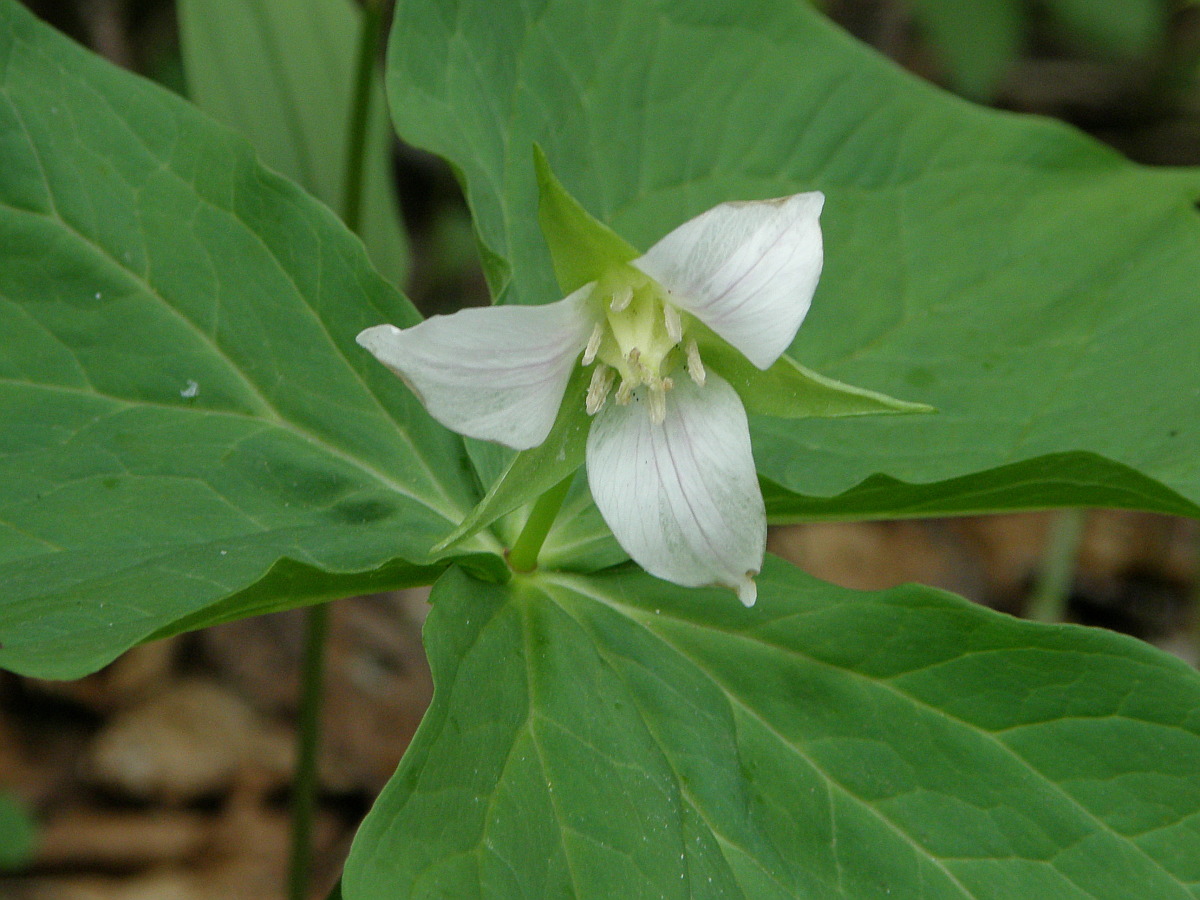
x=273 y=422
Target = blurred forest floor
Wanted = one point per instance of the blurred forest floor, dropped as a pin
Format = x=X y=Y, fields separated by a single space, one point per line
x=166 y=776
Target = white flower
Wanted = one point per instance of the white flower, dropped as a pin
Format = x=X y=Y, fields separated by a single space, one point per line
x=668 y=456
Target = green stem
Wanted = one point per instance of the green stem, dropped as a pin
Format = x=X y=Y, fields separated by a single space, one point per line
x=1048 y=603
x=1194 y=612
x=356 y=136
x=523 y=556
x=304 y=787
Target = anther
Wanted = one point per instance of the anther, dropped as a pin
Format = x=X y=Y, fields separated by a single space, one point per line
x=593 y=345
x=634 y=357
x=694 y=366
x=621 y=299
x=602 y=379
x=624 y=393
x=657 y=396
x=674 y=325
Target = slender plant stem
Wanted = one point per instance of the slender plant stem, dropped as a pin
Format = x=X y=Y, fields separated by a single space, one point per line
x=304 y=790
x=304 y=787
x=360 y=112
x=1048 y=603
x=1194 y=612
x=523 y=557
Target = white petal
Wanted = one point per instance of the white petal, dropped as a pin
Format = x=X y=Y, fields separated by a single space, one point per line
x=682 y=497
x=496 y=373
x=746 y=270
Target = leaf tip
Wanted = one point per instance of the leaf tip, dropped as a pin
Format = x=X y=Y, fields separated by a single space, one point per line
x=907 y=407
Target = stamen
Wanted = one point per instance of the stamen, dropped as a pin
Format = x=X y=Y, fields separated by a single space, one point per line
x=621 y=299
x=657 y=396
x=634 y=358
x=694 y=366
x=624 y=393
x=674 y=325
x=602 y=379
x=593 y=345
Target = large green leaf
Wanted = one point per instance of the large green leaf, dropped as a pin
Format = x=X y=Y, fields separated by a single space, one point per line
x=1033 y=286
x=188 y=432
x=618 y=737
x=282 y=73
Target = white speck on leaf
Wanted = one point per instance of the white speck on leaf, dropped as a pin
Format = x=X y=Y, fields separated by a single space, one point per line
x=190 y=390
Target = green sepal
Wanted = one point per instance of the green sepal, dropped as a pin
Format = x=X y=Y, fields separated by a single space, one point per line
x=582 y=247
x=533 y=472
x=788 y=390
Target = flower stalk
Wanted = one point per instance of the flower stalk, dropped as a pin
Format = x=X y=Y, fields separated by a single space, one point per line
x=1048 y=602
x=304 y=784
x=523 y=557
x=356 y=136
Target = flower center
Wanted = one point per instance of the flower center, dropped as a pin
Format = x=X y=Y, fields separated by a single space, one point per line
x=642 y=338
